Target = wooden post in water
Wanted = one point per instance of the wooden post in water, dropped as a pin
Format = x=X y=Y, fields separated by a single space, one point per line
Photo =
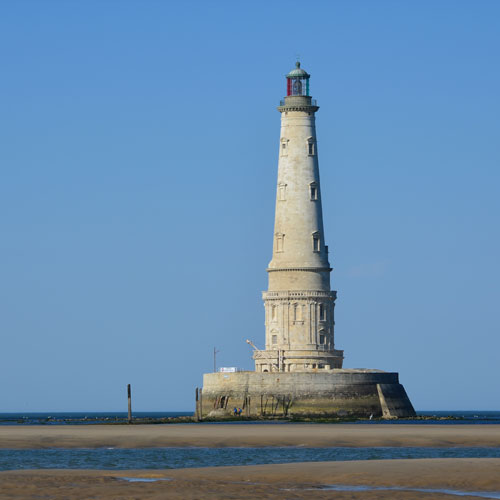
x=201 y=404
x=197 y=407
x=129 y=393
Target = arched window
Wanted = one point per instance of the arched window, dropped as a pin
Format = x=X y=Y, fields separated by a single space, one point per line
x=322 y=337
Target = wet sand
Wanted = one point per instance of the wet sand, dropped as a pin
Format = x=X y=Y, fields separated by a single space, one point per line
x=223 y=435
x=286 y=481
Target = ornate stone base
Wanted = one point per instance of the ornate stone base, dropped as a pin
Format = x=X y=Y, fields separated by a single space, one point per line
x=344 y=393
x=298 y=360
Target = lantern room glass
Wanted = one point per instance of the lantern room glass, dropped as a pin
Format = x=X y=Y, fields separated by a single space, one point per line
x=297 y=86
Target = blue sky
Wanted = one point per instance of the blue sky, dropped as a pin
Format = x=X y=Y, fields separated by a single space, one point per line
x=138 y=161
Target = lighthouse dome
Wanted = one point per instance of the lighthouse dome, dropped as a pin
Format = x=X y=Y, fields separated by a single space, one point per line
x=298 y=72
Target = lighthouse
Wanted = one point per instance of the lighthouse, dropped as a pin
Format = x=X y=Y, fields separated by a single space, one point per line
x=300 y=372
x=299 y=303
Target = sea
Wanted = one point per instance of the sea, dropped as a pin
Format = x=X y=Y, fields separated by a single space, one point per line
x=174 y=457
x=88 y=418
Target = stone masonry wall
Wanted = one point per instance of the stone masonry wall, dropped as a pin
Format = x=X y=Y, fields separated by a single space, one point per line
x=333 y=393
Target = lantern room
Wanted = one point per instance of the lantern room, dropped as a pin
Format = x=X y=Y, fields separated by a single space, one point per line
x=297 y=81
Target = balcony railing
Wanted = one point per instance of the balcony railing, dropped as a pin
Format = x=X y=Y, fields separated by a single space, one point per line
x=314 y=102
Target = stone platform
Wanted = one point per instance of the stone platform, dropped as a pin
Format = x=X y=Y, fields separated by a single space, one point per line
x=335 y=393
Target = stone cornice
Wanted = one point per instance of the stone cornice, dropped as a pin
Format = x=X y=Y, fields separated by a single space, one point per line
x=290 y=354
x=307 y=109
x=299 y=294
x=306 y=269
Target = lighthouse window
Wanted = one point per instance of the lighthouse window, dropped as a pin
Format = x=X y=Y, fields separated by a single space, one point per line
x=275 y=339
x=297 y=312
x=279 y=242
x=310 y=147
x=274 y=312
x=321 y=339
x=316 y=242
x=313 y=187
x=322 y=312
x=282 y=191
x=284 y=147
x=296 y=87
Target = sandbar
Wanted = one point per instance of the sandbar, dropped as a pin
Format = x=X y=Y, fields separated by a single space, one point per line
x=284 y=481
x=248 y=435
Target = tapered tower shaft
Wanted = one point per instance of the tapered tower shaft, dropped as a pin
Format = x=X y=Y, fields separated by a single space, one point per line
x=307 y=378
x=299 y=303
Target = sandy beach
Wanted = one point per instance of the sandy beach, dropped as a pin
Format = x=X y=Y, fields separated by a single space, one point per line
x=284 y=481
x=287 y=481
x=222 y=435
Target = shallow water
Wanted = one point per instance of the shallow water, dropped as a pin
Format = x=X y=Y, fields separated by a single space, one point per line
x=72 y=418
x=143 y=479
x=460 y=493
x=174 y=458
x=84 y=418
x=436 y=417
x=344 y=487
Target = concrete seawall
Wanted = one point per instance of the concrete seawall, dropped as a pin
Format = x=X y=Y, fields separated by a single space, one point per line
x=344 y=393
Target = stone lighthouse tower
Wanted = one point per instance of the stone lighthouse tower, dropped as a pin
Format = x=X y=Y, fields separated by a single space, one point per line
x=300 y=372
x=299 y=304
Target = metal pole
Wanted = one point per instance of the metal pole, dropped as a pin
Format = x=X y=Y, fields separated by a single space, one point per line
x=129 y=393
x=215 y=359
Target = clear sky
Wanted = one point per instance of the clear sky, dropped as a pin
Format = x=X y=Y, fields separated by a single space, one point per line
x=138 y=163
